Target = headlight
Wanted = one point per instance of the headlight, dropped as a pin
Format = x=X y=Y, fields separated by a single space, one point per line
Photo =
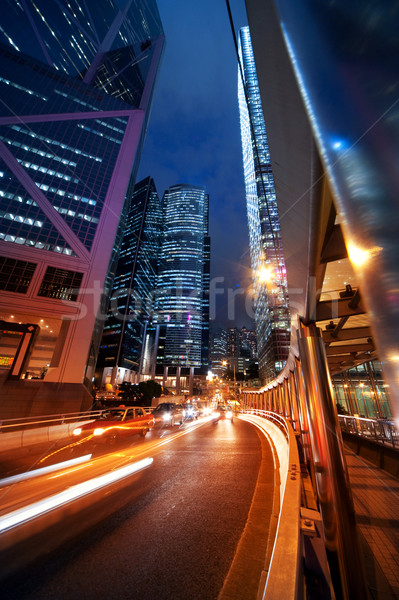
x=98 y=431
x=229 y=414
x=216 y=414
x=77 y=431
x=167 y=417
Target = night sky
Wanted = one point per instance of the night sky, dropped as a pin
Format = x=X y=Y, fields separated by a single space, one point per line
x=194 y=137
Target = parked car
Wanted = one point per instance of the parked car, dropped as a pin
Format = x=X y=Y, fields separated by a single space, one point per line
x=116 y=423
x=223 y=412
x=168 y=413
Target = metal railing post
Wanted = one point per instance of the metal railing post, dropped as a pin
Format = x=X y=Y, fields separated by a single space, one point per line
x=303 y=417
x=294 y=403
x=332 y=480
x=287 y=404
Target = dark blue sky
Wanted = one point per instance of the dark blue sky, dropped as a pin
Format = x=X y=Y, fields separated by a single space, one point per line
x=194 y=137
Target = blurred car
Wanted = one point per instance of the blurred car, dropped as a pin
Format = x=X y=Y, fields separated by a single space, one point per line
x=191 y=411
x=168 y=413
x=204 y=409
x=115 y=423
x=223 y=412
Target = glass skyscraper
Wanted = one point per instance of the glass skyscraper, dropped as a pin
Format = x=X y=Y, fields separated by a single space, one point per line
x=130 y=310
x=181 y=309
x=76 y=82
x=267 y=261
x=218 y=351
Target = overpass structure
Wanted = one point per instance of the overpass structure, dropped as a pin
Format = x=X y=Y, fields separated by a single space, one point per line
x=327 y=74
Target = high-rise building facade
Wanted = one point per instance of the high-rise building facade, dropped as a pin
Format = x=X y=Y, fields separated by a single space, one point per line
x=181 y=309
x=248 y=343
x=233 y=350
x=130 y=310
x=267 y=261
x=218 y=351
x=76 y=82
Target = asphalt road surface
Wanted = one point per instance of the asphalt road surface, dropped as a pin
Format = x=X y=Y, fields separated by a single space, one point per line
x=174 y=539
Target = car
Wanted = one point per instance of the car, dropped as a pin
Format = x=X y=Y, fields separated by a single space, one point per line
x=114 y=423
x=190 y=411
x=168 y=413
x=204 y=409
x=223 y=412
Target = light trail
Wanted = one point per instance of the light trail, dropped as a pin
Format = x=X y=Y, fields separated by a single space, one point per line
x=152 y=446
x=43 y=470
x=22 y=515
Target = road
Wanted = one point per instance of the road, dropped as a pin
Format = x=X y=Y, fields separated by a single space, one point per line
x=175 y=530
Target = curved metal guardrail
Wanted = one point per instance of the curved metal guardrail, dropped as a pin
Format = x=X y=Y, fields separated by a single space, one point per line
x=275 y=418
x=283 y=575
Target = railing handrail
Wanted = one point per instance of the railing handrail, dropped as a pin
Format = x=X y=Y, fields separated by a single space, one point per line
x=45 y=420
x=381 y=430
x=272 y=416
x=286 y=546
x=367 y=419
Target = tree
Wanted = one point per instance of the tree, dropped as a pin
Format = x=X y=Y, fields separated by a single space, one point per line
x=149 y=389
x=128 y=391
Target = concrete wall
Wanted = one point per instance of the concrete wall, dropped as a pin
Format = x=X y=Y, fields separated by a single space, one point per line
x=29 y=398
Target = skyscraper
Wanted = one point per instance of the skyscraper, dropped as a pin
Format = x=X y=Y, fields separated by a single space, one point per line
x=181 y=309
x=218 y=351
x=130 y=310
x=76 y=82
x=248 y=342
x=267 y=261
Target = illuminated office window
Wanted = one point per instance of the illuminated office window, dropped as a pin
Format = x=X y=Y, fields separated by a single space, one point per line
x=61 y=284
x=15 y=275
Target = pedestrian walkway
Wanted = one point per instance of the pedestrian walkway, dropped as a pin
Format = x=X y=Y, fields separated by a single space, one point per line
x=376 y=500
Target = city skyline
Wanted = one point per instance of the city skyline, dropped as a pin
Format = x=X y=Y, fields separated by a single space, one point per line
x=194 y=137
x=275 y=476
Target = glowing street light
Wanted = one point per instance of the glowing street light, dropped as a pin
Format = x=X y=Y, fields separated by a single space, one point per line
x=266 y=274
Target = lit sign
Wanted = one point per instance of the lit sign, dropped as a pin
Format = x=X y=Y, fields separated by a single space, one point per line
x=6 y=361
x=5 y=332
